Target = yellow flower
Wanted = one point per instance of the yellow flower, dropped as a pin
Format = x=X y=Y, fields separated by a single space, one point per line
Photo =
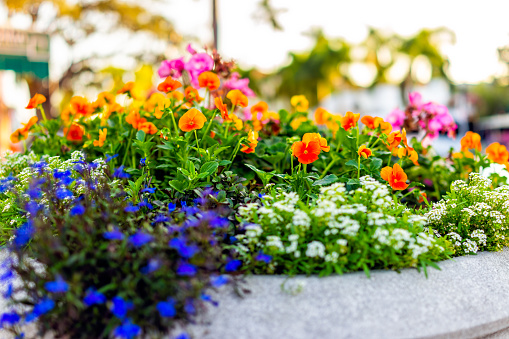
x=300 y=103
x=102 y=138
x=297 y=122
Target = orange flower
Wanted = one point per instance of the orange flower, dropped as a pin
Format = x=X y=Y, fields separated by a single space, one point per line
x=368 y=121
x=297 y=122
x=497 y=153
x=395 y=176
x=135 y=119
x=237 y=98
x=306 y=153
x=405 y=141
x=176 y=95
x=349 y=120
x=192 y=94
x=74 y=133
x=394 y=139
x=127 y=88
x=155 y=100
x=169 y=85
x=423 y=196
x=81 y=106
x=212 y=134
x=333 y=123
x=147 y=127
x=322 y=116
x=222 y=108
x=364 y=152
x=237 y=122
x=463 y=154
x=385 y=127
x=209 y=80
x=252 y=139
x=471 y=140
x=300 y=103
x=316 y=137
x=191 y=120
x=36 y=100
x=102 y=138
x=260 y=107
x=411 y=153
x=22 y=133
x=104 y=98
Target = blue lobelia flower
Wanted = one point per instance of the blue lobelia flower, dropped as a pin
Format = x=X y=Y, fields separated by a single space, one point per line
x=121 y=307
x=167 y=308
x=143 y=161
x=150 y=190
x=232 y=265
x=43 y=307
x=127 y=330
x=182 y=248
x=57 y=286
x=77 y=210
x=183 y=335
x=34 y=192
x=152 y=266
x=63 y=193
x=186 y=269
x=111 y=157
x=189 y=306
x=33 y=207
x=171 y=207
x=139 y=239
x=146 y=204
x=161 y=218
x=24 y=234
x=218 y=281
x=119 y=173
x=130 y=208
x=9 y=291
x=11 y=318
x=263 y=257
x=208 y=298
x=114 y=235
x=92 y=297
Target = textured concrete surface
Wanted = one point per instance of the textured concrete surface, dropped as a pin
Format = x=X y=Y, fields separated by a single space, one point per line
x=468 y=298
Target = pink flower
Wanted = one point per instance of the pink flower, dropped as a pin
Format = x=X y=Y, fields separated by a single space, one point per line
x=190 y=49
x=415 y=99
x=199 y=63
x=171 y=68
x=396 y=118
x=247 y=114
x=241 y=84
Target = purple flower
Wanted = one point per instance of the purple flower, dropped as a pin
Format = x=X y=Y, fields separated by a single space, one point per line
x=63 y=193
x=186 y=269
x=33 y=207
x=415 y=100
x=77 y=210
x=199 y=63
x=139 y=239
x=57 y=286
x=190 y=49
x=24 y=234
x=263 y=257
x=235 y=82
x=218 y=281
x=34 y=192
x=119 y=173
x=149 y=190
x=43 y=307
x=396 y=118
x=114 y=235
x=111 y=157
x=183 y=335
x=121 y=307
x=93 y=297
x=127 y=330
x=152 y=266
x=189 y=306
x=11 y=318
x=161 y=218
x=171 y=68
x=185 y=251
x=208 y=298
x=130 y=208
x=167 y=308
x=146 y=204
x=9 y=291
x=232 y=265
x=143 y=161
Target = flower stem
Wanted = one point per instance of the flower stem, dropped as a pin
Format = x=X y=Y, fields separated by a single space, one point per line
x=174 y=123
x=42 y=112
x=327 y=168
x=197 y=144
x=359 y=167
x=128 y=146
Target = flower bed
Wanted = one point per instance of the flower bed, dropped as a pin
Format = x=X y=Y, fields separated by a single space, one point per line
x=136 y=211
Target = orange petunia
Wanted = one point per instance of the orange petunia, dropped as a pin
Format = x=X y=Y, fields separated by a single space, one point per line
x=349 y=120
x=191 y=94
x=306 y=153
x=395 y=176
x=36 y=100
x=169 y=85
x=222 y=108
x=22 y=133
x=471 y=140
x=300 y=103
x=209 y=80
x=365 y=152
x=252 y=140
x=102 y=137
x=316 y=137
x=410 y=152
x=134 y=119
x=147 y=127
x=368 y=121
x=81 y=106
x=322 y=116
x=74 y=133
x=394 y=139
x=237 y=98
x=385 y=127
x=127 y=88
x=191 y=120
x=497 y=153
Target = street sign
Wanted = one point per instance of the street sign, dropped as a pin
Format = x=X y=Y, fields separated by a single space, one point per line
x=24 y=52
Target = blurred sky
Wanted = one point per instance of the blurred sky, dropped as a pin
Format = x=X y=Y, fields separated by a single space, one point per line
x=480 y=27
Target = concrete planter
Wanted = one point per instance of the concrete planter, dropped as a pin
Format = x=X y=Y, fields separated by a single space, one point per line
x=468 y=298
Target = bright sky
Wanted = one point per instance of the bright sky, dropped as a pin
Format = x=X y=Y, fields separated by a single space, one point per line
x=480 y=28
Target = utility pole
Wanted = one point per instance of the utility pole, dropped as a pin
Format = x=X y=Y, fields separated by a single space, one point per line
x=214 y=22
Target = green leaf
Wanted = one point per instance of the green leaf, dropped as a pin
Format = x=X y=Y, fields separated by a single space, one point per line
x=352 y=163
x=140 y=135
x=376 y=164
x=224 y=162
x=327 y=180
x=179 y=185
x=209 y=167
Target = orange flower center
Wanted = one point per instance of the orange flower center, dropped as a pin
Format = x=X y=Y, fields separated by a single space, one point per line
x=305 y=152
x=191 y=122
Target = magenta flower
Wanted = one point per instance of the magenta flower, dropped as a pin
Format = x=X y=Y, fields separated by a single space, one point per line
x=171 y=68
x=199 y=63
x=396 y=118
x=235 y=82
x=190 y=49
x=415 y=100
